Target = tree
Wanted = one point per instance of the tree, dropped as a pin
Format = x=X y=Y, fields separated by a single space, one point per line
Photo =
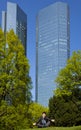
x=14 y=70
x=14 y=118
x=65 y=106
x=66 y=110
x=69 y=77
x=15 y=83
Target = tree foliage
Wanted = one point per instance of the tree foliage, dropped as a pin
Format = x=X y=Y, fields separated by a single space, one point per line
x=14 y=118
x=15 y=83
x=65 y=105
x=66 y=110
x=69 y=77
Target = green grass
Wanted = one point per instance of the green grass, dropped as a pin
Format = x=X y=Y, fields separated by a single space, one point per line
x=58 y=128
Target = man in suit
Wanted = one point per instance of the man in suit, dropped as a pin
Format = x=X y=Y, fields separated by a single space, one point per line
x=43 y=121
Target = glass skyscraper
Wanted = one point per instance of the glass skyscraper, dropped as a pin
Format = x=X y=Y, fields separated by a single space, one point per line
x=14 y=18
x=52 y=48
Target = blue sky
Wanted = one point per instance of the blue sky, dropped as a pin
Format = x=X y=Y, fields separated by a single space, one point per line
x=31 y=8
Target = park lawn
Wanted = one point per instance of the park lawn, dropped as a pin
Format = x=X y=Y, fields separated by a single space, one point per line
x=59 y=128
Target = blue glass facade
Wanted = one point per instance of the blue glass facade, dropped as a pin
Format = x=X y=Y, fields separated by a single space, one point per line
x=52 y=48
x=16 y=19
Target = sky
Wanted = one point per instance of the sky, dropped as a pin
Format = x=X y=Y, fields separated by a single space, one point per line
x=31 y=8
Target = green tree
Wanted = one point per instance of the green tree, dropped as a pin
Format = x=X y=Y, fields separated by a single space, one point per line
x=15 y=83
x=69 y=77
x=14 y=69
x=65 y=106
x=14 y=118
x=66 y=110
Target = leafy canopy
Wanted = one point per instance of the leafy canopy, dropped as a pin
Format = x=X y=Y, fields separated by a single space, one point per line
x=69 y=77
x=14 y=69
x=15 y=83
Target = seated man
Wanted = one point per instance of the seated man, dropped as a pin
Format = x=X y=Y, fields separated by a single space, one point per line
x=43 y=121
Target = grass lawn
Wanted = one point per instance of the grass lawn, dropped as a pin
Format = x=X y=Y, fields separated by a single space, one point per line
x=58 y=128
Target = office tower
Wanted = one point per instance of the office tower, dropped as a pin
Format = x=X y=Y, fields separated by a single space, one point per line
x=14 y=18
x=52 y=48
